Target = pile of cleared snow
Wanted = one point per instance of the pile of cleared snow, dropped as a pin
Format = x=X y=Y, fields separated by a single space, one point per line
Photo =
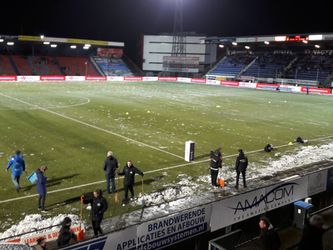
x=35 y=222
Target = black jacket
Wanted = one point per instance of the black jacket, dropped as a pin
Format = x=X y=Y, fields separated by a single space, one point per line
x=129 y=173
x=98 y=206
x=215 y=159
x=65 y=236
x=241 y=163
x=110 y=165
x=270 y=239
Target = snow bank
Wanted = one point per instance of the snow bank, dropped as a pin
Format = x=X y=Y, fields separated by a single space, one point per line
x=37 y=221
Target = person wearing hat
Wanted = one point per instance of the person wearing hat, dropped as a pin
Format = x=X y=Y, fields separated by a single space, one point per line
x=269 y=238
x=110 y=166
x=241 y=166
x=17 y=164
x=41 y=187
x=313 y=231
x=66 y=236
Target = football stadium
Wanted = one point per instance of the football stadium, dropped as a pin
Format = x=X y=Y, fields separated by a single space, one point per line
x=189 y=145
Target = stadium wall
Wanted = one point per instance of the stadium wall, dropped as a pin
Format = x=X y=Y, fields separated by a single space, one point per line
x=252 y=85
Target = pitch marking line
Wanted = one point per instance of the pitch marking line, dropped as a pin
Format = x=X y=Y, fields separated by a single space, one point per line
x=151 y=171
x=91 y=126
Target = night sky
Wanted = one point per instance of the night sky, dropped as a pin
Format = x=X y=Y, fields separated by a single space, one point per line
x=127 y=20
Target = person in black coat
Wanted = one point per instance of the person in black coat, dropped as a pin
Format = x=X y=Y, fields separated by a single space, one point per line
x=110 y=166
x=313 y=231
x=65 y=234
x=215 y=164
x=41 y=187
x=269 y=238
x=129 y=172
x=241 y=166
x=98 y=207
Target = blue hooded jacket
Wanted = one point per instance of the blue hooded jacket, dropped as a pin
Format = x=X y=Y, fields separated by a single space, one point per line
x=41 y=183
x=17 y=164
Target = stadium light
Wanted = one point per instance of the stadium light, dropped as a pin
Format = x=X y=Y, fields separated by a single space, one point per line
x=84 y=47
x=1 y=40
x=10 y=43
x=73 y=46
x=46 y=43
x=317 y=46
x=87 y=45
x=234 y=43
x=305 y=41
x=53 y=45
x=266 y=42
x=42 y=37
x=280 y=38
x=315 y=37
x=221 y=45
x=247 y=47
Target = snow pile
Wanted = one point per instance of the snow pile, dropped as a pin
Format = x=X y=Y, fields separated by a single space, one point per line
x=34 y=222
x=184 y=188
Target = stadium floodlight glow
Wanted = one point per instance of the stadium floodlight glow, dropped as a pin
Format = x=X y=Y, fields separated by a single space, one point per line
x=266 y=42
x=53 y=45
x=42 y=37
x=73 y=46
x=315 y=37
x=305 y=41
x=84 y=47
x=1 y=40
x=221 y=45
x=46 y=43
x=234 y=43
x=247 y=47
x=87 y=45
x=10 y=43
x=280 y=38
x=317 y=46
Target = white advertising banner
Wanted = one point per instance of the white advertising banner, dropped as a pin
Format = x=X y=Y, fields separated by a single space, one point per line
x=251 y=85
x=184 y=79
x=150 y=78
x=115 y=78
x=212 y=82
x=75 y=78
x=122 y=240
x=28 y=78
x=317 y=182
x=238 y=208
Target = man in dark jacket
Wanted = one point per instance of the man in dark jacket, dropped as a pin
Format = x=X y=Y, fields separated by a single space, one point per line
x=241 y=166
x=17 y=164
x=269 y=238
x=313 y=232
x=41 y=187
x=110 y=166
x=215 y=164
x=129 y=172
x=98 y=207
x=65 y=234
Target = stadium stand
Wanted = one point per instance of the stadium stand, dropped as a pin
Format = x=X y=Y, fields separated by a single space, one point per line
x=5 y=66
x=22 y=64
x=76 y=65
x=112 y=66
x=232 y=65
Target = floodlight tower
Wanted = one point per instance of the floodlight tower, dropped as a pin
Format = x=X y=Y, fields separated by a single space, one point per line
x=179 y=39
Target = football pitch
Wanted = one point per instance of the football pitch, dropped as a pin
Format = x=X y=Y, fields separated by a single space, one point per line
x=70 y=126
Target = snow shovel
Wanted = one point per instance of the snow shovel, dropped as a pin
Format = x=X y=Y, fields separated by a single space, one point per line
x=116 y=200
x=143 y=200
x=80 y=234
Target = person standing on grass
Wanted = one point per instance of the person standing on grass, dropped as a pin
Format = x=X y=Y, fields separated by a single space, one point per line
x=98 y=207
x=241 y=166
x=129 y=172
x=41 y=187
x=110 y=166
x=17 y=164
x=215 y=164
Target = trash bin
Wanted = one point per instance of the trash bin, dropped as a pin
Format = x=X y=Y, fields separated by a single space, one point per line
x=189 y=151
x=301 y=211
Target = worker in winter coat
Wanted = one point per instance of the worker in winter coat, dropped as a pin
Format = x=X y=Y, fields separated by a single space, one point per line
x=66 y=235
x=98 y=207
x=241 y=166
x=129 y=172
x=17 y=164
x=215 y=164
x=110 y=166
x=41 y=187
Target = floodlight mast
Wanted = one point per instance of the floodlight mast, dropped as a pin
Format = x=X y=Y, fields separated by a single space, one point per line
x=179 y=39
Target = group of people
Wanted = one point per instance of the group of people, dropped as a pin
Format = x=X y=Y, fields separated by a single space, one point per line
x=216 y=164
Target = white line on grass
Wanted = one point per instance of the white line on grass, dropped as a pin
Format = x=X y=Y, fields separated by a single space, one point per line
x=152 y=171
x=91 y=126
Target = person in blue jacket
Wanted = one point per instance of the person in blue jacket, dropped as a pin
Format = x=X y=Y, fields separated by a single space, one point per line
x=41 y=187
x=17 y=164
